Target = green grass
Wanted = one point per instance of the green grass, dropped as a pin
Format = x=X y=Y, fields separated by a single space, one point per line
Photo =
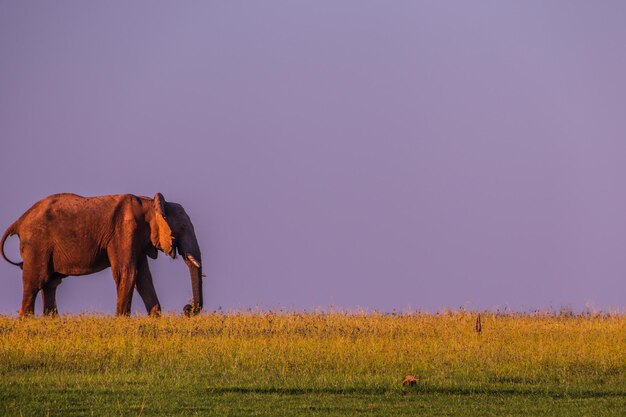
x=139 y=394
x=314 y=364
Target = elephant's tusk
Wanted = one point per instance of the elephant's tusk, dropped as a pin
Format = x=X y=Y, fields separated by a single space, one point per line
x=193 y=261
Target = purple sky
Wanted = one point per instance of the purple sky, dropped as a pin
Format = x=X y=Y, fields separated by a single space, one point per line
x=349 y=153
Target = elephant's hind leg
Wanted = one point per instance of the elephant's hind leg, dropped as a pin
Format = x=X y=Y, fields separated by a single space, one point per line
x=29 y=295
x=33 y=276
x=49 y=295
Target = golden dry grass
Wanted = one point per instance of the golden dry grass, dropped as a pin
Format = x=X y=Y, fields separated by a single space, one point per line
x=333 y=350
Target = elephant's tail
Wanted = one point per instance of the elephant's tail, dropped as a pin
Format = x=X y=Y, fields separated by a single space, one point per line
x=9 y=232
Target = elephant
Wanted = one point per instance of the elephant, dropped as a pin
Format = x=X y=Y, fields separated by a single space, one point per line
x=70 y=235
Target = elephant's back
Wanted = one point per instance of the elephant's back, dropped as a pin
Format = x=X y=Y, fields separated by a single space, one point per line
x=58 y=210
x=42 y=209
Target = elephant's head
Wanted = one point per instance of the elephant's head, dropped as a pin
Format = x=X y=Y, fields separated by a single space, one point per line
x=172 y=231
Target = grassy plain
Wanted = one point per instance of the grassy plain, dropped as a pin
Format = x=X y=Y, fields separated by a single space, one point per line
x=318 y=364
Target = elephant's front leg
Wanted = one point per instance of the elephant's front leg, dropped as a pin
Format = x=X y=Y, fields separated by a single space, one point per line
x=125 y=279
x=146 y=290
x=124 y=266
x=125 y=287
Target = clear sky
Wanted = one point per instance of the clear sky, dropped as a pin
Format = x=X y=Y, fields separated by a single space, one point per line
x=374 y=154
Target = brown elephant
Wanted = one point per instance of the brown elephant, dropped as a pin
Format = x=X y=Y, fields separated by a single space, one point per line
x=66 y=234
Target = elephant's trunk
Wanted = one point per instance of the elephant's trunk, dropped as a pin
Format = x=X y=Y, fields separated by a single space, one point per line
x=196 y=288
x=193 y=259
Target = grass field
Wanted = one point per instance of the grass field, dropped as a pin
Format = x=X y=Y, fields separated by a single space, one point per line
x=326 y=364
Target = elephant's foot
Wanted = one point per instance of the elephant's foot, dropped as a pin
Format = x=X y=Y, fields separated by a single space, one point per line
x=155 y=311
x=191 y=310
x=51 y=312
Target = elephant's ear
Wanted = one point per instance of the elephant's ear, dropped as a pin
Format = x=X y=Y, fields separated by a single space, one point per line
x=161 y=234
